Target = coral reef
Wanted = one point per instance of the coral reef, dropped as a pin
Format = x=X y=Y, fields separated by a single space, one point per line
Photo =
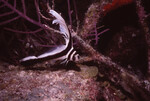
x=111 y=36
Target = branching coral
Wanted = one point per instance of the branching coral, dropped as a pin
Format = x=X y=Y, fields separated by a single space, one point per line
x=33 y=25
x=23 y=14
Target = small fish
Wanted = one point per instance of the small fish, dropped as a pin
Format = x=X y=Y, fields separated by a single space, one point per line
x=63 y=53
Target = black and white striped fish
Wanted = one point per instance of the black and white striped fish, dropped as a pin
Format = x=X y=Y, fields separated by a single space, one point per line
x=62 y=53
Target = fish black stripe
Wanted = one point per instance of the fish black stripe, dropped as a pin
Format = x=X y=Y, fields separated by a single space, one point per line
x=70 y=54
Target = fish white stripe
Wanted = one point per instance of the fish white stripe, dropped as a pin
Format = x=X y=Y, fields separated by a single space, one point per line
x=76 y=57
x=69 y=52
x=72 y=55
